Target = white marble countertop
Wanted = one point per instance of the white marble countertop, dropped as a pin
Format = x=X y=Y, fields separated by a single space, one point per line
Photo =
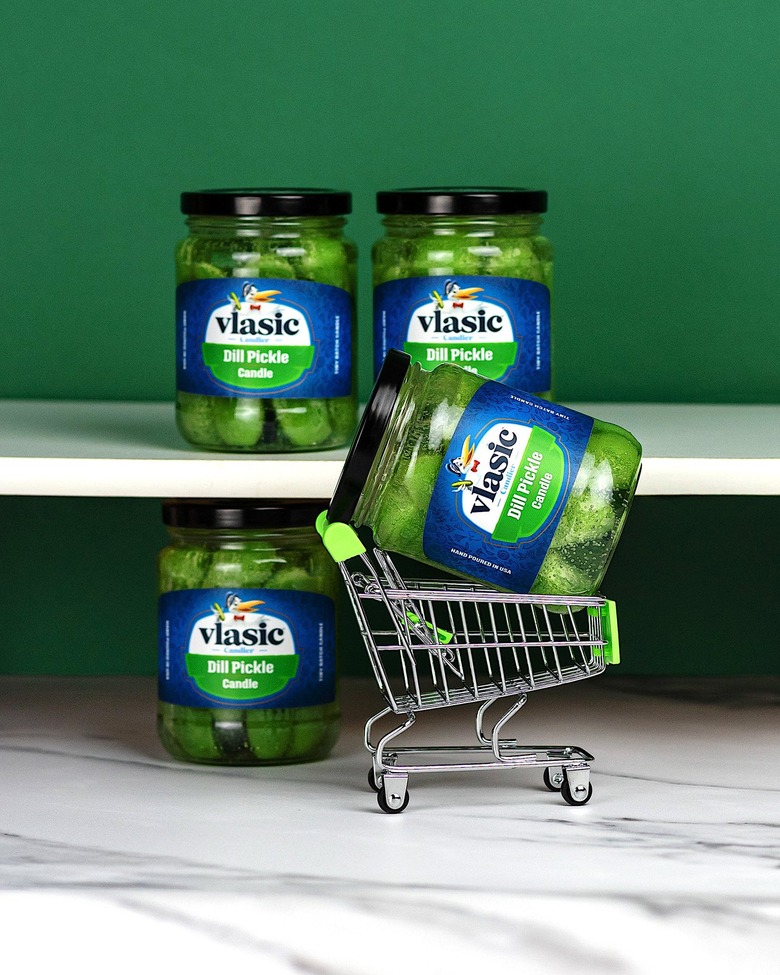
x=115 y=856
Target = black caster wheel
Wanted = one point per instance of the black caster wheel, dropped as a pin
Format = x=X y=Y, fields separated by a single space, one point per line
x=372 y=781
x=553 y=783
x=578 y=800
x=380 y=798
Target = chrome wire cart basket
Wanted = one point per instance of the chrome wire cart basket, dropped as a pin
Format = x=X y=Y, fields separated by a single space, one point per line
x=435 y=644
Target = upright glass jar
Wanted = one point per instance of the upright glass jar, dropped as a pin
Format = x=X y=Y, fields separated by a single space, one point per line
x=247 y=633
x=264 y=320
x=480 y=479
x=464 y=276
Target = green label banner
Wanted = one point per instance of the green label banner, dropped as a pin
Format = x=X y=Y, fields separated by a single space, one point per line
x=535 y=489
x=491 y=359
x=258 y=366
x=242 y=678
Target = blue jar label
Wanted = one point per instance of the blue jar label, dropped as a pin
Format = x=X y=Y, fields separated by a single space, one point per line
x=497 y=327
x=262 y=336
x=253 y=648
x=499 y=496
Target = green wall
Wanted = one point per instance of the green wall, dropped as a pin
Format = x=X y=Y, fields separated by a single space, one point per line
x=651 y=124
x=693 y=595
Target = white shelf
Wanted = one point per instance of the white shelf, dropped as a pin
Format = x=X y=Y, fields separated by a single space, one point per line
x=99 y=449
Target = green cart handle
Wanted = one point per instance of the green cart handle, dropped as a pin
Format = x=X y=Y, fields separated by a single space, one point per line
x=339 y=539
x=342 y=543
x=609 y=629
x=443 y=636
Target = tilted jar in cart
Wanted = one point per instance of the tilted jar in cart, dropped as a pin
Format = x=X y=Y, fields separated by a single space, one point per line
x=499 y=487
x=247 y=633
x=264 y=320
x=483 y=480
x=464 y=276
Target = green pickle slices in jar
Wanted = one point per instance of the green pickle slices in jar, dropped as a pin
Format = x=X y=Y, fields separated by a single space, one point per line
x=238 y=422
x=324 y=261
x=457 y=253
x=304 y=422
x=226 y=735
x=594 y=515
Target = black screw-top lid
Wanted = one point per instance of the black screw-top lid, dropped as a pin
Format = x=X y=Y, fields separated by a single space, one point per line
x=466 y=201
x=373 y=424
x=273 y=514
x=296 y=202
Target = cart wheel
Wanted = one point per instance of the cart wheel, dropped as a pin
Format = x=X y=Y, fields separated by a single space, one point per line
x=575 y=800
x=372 y=781
x=380 y=798
x=555 y=781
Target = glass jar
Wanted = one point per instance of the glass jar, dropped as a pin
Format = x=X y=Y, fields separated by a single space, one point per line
x=464 y=276
x=479 y=479
x=247 y=634
x=264 y=311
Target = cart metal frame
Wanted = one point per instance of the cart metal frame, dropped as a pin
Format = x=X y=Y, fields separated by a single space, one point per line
x=435 y=644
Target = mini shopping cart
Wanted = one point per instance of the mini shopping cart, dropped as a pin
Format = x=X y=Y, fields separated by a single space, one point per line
x=440 y=644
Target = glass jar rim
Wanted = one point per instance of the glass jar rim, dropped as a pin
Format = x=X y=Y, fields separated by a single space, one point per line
x=247 y=513
x=461 y=201
x=373 y=423
x=267 y=202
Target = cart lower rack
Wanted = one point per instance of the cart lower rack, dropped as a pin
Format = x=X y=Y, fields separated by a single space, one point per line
x=441 y=644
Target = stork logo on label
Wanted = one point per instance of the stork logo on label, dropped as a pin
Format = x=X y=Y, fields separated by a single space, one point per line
x=454 y=293
x=237 y=651
x=456 y=313
x=484 y=468
x=240 y=627
x=256 y=341
x=257 y=316
x=463 y=466
x=508 y=480
x=464 y=326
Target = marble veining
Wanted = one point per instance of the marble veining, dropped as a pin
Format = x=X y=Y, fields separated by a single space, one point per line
x=674 y=864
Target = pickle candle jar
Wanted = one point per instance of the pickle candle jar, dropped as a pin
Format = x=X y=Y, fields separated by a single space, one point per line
x=464 y=276
x=264 y=309
x=485 y=481
x=247 y=634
